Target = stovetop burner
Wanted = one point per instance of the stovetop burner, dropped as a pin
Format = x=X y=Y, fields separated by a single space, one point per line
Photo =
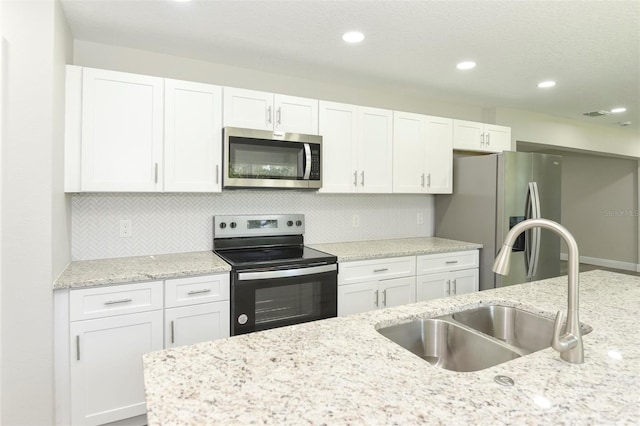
x=252 y=241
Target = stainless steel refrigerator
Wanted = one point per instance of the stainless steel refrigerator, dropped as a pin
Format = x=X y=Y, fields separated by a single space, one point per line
x=491 y=193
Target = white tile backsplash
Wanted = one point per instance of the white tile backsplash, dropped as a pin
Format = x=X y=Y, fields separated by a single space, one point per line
x=173 y=223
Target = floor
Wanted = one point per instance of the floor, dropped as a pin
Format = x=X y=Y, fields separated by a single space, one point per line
x=586 y=267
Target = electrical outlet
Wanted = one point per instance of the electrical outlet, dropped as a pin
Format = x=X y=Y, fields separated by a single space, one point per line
x=125 y=228
x=355 y=221
x=420 y=218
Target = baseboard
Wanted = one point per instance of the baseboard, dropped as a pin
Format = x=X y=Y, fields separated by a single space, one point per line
x=607 y=263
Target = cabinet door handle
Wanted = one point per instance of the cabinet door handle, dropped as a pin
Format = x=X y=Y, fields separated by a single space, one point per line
x=451 y=262
x=381 y=270
x=279 y=116
x=384 y=297
x=454 y=287
x=488 y=139
x=217 y=174
x=155 y=173
x=269 y=115
x=422 y=180
x=115 y=302
x=362 y=178
x=355 y=178
x=482 y=139
x=448 y=288
x=78 y=347
x=172 y=333
x=429 y=180
x=204 y=290
x=376 y=298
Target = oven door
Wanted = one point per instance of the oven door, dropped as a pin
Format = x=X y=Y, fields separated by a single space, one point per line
x=267 y=299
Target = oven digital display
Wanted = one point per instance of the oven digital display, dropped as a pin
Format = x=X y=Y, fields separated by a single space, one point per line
x=262 y=224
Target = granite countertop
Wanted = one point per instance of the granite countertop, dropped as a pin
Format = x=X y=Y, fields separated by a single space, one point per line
x=373 y=249
x=89 y=273
x=342 y=371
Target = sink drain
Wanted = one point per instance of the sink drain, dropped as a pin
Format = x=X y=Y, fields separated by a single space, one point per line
x=504 y=380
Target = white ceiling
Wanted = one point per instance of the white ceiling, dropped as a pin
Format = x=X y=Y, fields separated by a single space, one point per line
x=591 y=48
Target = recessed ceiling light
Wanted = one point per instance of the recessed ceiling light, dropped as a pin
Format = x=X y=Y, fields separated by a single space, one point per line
x=353 y=37
x=619 y=109
x=546 y=84
x=182 y=1
x=466 y=65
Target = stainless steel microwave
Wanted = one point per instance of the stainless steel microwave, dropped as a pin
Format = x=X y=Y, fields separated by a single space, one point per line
x=265 y=159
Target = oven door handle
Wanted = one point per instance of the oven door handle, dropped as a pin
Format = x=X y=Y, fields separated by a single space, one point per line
x=286 y=273
x=307 y=162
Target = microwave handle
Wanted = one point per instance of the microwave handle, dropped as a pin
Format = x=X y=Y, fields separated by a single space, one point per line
x=307 y=162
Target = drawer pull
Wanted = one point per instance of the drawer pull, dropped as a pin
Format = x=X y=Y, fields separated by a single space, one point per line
x=381 y=270
x=115 y=302
x=451 y=262
x=204 y=290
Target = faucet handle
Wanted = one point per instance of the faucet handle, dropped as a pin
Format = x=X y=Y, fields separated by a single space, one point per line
x=565 y=342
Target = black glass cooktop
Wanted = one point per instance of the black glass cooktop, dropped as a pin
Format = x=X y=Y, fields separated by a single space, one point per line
x=274 y=256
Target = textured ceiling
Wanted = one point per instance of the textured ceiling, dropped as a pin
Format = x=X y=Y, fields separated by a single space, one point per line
x=591 y=48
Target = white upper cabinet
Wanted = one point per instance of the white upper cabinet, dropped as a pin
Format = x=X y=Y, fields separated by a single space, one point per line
x=192 y=137
x=267 y=111
x=472 y=136
x=356 y=148
x=422 y=154
x=122 y=121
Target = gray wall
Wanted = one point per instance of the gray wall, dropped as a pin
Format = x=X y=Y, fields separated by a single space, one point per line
x=600 y=205
x=33 y=209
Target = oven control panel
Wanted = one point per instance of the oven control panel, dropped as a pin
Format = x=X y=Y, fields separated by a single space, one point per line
x=257 y=225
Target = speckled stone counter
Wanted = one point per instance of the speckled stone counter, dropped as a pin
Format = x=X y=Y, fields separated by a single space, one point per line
x=342 y=371
x=88 y=273
x=372 y=249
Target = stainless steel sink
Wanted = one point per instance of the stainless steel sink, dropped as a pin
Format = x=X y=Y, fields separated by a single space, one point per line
x=475 y=339
x=448 y=345
x=525 y=330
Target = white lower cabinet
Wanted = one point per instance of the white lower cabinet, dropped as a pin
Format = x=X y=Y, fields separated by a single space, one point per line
x=446 y=274
x=102 y=333
x=371 y=284
x=107 y=381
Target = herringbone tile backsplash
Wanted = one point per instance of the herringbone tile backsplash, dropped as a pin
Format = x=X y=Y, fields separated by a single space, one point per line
x=173 y=223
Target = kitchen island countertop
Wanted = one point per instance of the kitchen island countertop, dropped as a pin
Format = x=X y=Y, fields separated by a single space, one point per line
x=342 y=371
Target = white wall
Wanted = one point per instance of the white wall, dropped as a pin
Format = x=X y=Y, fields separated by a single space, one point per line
x=557 y=132
x=36 y=36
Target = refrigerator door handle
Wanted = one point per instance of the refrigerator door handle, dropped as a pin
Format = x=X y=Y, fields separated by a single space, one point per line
x=528 y=237
x=535 y=253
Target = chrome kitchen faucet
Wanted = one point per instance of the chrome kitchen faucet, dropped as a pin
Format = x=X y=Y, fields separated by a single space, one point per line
x=570 y=344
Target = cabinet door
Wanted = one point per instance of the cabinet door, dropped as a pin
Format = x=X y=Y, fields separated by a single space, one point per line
x=439 y=157
x=198 y=323
x=375 y=151
x=122 y=125
x=497 y=138
x=465 y=281
x=409 y=145
x=432 y=286
x=296 y=115
x=106 y=366
x=338 y=126
x=192 y=137
x=398 y=291
x=248 y=108
x=357 y=298
x=467 y=135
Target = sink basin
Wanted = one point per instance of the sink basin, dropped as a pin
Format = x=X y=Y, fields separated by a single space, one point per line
x=447 y=345
x=522 y=329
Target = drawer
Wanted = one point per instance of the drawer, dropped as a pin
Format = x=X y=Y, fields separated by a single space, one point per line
x=107 y=301
x=376 y=269
x=195 y=290
x=442 y=262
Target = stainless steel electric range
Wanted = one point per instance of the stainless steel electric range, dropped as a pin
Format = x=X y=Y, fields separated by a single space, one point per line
x=275 y=280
